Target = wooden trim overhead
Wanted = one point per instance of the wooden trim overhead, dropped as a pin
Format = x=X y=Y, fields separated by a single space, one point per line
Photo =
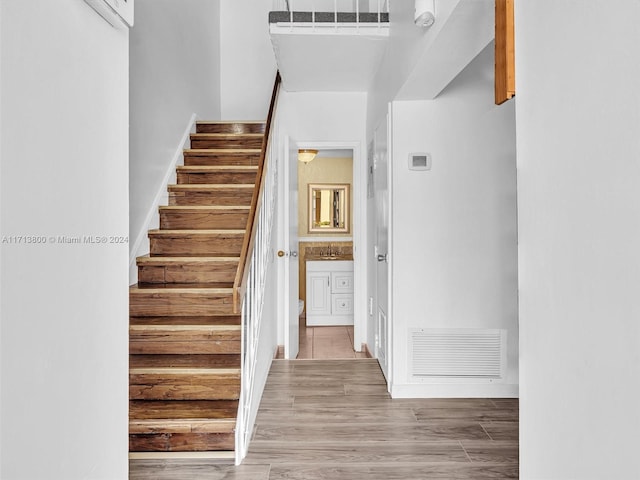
x=505 y=81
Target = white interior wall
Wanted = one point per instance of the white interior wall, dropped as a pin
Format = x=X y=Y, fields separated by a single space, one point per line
x=175 y=73
x=64 y=306
x=454 y=239
x=578 y=118
x=248 y=66
x=324 y=116
x=406 y=44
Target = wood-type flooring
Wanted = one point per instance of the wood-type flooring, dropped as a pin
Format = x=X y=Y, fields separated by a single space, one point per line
x=333 y=420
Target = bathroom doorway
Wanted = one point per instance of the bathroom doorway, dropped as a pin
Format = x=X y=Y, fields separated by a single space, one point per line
x=335 y=165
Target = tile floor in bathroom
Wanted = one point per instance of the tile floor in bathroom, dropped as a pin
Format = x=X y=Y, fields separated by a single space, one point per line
x=327 y=342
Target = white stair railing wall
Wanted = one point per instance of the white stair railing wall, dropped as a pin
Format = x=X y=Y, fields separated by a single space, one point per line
x=253 y=298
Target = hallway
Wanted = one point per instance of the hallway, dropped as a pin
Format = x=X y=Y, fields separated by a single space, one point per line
x=333 y=420
x=327 y=343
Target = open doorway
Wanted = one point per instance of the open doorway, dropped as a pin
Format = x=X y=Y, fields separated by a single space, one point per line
x=330 y=282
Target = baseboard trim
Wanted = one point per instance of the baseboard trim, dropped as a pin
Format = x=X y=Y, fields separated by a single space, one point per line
x=454 y=391
x=279 y=353
x=141 y=245
x=365 y=349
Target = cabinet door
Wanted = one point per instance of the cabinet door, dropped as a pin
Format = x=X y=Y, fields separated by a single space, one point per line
x=341 y=282
x=318 y=293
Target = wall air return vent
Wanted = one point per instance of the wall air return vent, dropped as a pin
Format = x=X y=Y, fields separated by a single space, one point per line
x=457 y=353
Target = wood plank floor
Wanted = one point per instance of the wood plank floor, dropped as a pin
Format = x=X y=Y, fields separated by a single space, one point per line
x=333 y=419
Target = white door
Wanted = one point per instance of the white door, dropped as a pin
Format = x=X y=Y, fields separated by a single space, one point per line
x=382 y=202
x=291 y=269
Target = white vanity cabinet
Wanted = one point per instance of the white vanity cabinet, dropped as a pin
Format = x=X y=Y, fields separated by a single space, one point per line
x=329 y=292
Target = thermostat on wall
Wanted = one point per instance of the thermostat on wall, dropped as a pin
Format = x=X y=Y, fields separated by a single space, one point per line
x=419 y=161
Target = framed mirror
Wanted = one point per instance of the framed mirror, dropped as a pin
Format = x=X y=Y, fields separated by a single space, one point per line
x=328 y=208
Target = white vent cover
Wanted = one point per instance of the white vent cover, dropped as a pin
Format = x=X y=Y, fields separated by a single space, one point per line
x=457 y=353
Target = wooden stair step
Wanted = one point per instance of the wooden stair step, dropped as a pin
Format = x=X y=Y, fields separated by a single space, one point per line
x=183 y=301
x=185 y=361
x=203 y=217
x=187 y=269
x=229 y=174
x=181 y=442
x=184 y=287
x=203 y=243
x=221 y=156
x=185 y=339
x=197 y=380
x=239 y=194
x=187 y=320
x=182 y=425
x=176 y=409
x=240 y=126
x=226 y=140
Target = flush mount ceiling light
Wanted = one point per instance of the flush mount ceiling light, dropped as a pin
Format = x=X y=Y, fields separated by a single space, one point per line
x=425 y=14
x=305 y=155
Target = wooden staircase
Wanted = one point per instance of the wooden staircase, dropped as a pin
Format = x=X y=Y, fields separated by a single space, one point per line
x=185 y=332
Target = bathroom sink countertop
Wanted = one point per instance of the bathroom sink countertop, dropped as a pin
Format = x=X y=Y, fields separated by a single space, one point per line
x=315 y=257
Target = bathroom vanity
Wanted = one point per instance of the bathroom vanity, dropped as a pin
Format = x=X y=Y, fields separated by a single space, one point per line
x=329 y=292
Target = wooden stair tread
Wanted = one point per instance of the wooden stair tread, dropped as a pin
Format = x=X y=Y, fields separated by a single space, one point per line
x=208 y=363
x=212 y=328
x=212 y=152
x=222 y=360
x=179 y=288
x=183 y=425
x=204 y=208
x=216 y=168
x=226 y=122
x=201 y=320
x=196 y=232
x=226 y=134
x=215 y=371
x=176 y=409
x=159 y=260
x=210 y=187
x=180 y=333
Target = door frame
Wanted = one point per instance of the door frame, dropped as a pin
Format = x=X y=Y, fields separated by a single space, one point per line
x=358 y=234
x=290 y=249
x=385 y=124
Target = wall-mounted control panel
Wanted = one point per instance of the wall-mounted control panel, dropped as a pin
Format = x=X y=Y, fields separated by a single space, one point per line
x=419 y=161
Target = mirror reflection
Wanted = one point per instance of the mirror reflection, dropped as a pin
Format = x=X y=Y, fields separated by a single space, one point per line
x=328 y=208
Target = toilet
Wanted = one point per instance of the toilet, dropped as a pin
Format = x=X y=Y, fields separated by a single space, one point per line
x=300 y=306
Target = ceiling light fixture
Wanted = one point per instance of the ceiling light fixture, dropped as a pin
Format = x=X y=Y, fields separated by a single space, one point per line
x=305 y=155
x=425 y=14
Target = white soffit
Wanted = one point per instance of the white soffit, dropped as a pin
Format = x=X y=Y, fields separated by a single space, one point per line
x=329 y=62
x=468 y=30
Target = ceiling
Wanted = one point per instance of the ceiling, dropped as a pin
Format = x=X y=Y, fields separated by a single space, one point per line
x=347 y=59
x=331 y=62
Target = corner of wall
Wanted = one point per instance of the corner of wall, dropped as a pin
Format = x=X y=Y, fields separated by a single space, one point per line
x=141 y=244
